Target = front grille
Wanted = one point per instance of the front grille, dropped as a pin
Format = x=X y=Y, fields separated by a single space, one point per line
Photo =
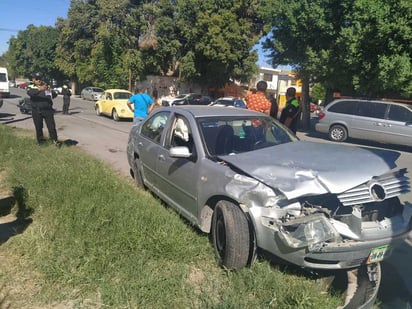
x=377 y=189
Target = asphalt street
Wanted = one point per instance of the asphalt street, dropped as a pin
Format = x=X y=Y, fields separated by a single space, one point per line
x=106 y=139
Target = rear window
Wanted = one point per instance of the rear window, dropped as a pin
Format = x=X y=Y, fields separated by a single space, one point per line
x=344 y=107
x=399 y=113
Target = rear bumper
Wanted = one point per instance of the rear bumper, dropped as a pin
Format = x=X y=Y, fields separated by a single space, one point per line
x=322 y=128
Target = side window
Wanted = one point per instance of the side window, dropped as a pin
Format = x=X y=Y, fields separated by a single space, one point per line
x=372 y=109
x=153 y=127
x=399 y=113
x=181 y=134
x=344 y=107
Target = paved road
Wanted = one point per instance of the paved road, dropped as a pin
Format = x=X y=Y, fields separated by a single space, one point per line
x=106 y=139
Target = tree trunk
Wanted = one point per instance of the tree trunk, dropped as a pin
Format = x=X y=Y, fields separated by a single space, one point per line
x=305 y=119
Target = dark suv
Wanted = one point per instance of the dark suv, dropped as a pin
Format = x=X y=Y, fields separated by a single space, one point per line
x=188 y=99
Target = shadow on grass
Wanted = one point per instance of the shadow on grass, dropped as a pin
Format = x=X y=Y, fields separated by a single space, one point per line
x=20 y=221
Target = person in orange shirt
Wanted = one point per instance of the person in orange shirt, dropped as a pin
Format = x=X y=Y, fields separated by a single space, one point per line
x=257 y=101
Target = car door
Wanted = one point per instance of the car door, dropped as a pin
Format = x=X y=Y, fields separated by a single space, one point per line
x=399 y=125
x=106 y=103
x=178 y=177
x=150 y=147
x=369 y=122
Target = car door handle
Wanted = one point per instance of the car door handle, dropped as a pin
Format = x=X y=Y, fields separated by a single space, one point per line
x=139 y=144
x=380 y=124
x=161 y=157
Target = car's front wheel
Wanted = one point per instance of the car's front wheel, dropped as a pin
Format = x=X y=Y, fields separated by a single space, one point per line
x=231 y=235
x=338 y=133
x=115 y=115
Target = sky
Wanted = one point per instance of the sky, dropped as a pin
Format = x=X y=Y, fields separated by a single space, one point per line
x=18 y=14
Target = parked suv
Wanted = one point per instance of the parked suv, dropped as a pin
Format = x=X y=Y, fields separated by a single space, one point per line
x=380 y=121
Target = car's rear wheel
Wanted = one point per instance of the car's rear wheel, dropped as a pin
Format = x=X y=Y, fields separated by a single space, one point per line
x=338 y=133
x=137 y=175
x=231 y=235
x=115 y=116
x=98 y=112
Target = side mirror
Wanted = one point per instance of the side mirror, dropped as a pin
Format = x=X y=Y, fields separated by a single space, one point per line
x=179 y=152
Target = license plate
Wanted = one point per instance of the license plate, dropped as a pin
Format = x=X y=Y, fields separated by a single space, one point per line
x=378 y=254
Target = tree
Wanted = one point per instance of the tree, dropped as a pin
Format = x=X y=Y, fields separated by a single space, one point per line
x=377 y=39
x=360 y=47
x=217 y=40
x=34 y=50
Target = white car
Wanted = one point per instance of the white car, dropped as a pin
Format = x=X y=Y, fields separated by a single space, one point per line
x=92 y=93
x=229 y=102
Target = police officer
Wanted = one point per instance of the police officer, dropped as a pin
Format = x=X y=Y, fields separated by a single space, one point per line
x=291 y=111
x=66 y=99
x=42 y=109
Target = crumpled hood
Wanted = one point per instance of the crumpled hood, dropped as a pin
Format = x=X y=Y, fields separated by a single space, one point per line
x=308 y=168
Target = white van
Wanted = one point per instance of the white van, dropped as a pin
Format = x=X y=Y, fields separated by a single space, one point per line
x=4 y=83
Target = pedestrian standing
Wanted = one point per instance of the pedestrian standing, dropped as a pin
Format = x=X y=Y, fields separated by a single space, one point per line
x=274 y=107
x=257 y=101
x=155 y=94
x=289 y=115
x=66 y=99
x=142 y=105
x=42 y=109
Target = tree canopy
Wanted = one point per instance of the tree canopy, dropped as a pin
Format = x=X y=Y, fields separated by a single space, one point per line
x=110 y=43
x=359 y=47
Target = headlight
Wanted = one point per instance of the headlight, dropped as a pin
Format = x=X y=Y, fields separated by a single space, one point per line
x=307 y=231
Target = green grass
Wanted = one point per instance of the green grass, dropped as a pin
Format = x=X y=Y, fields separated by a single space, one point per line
x=96 y=241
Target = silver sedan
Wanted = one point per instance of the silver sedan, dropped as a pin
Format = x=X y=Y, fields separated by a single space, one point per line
x=91 y=93
x=248 y=181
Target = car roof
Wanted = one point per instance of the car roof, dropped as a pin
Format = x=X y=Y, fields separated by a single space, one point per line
x=117 y=90
x=370 y=100
x=227 y=98
x=213 y=111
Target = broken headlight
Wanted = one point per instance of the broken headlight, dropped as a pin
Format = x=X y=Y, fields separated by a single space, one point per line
x=307 y=231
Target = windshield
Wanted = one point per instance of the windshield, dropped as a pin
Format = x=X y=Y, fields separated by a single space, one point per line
x=121 y=95
x=224 y=136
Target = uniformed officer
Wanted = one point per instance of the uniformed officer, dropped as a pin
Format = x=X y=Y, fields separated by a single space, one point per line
x=66 y=99
x=291 y=111
x=42 y=109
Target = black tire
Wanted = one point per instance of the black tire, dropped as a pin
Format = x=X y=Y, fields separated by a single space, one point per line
x=115 y=116
x=338 y=133
x=97 y=108
x=137 y=176
x=231 y=236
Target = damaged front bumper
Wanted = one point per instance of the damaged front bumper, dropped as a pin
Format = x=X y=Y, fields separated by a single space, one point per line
x=316 y=241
